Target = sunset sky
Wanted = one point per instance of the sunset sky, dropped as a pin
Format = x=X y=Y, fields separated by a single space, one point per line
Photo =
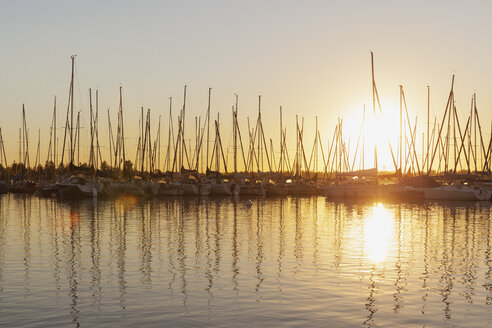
x=310 y=57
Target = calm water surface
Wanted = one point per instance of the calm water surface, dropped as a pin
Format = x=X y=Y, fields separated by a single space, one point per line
x=303 y=262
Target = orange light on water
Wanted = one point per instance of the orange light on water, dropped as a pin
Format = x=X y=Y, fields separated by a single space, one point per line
x=127 y=202
x=74 y=218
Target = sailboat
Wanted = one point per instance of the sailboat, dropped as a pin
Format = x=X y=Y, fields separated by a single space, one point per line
x=224 y=187
x=21 y=185
x=169 y=188
x=78 y=186
x=252 y=187
x=457 y=192
x=353 y=189
x=3 y=188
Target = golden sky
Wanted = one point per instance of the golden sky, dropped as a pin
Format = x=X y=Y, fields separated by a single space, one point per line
x=312 y=58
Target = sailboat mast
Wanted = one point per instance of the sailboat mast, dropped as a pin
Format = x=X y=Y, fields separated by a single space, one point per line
x=260 y=155
x=91 y=156
x=70 y=96
x=54 y=158
x=401 y=128
x=183 y=141
x=142 y=145
x=38 y=159
x=122 y=129
x=170 y=138
x=373 y=85
x=281 y=144
x=297 y=147
x=475 y=132
x=2 y=150
x=234 y=123
x=25 y=139
x=110 y=138
x=316 y=151
x=197 y=145
x=20 y=145
x=96 y=127
x=364 y=135
x=23 y=149
x=150 y=165
x=159 y=145
x=217 y=148
x=428 y=127
x=78 y=137
x=208 y=124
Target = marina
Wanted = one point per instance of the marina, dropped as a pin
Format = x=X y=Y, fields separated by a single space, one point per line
x=450 y=166
x=245 y=164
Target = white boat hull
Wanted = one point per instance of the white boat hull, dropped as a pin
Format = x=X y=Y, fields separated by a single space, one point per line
x=191 y=189
x=456 y=193
x=221 y=189
x=205 y=189
x=352 y=191
x=252 y=190
x=170 y=189
x=77 y=190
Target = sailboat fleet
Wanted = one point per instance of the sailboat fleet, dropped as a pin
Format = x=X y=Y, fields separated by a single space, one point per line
x=454 y=163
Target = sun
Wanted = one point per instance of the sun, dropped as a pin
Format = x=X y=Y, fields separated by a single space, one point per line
x=383 y=130
x=377 y=130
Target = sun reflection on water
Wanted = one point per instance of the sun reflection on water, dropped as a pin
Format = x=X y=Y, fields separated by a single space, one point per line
x=378 y=228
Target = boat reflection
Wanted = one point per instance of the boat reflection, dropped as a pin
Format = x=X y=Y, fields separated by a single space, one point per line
x=182 y=258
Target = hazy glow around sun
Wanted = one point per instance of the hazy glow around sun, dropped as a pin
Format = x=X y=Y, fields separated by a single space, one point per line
x=380 y=129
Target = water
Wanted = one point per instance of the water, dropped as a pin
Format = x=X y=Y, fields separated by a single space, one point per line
x=300 y=262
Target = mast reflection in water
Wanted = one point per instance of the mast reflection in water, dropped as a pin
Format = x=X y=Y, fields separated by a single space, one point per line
x=217 y=262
